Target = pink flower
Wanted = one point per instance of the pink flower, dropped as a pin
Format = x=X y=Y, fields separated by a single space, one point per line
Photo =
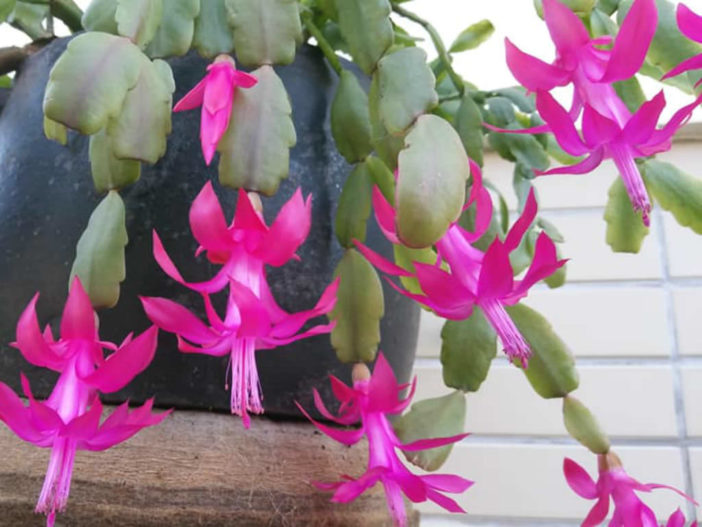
x=246 y=245
x=70 y=418
x=690 y=25
x=473 y=277
x=215 y=93
x=253 y=319
x=605 y=138
x=584 y=62
x=251 y=323
x=677 y=519
x=370 y=401
x=614 y=482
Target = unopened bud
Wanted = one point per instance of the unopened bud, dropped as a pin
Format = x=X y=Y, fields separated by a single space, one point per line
x=225 y=58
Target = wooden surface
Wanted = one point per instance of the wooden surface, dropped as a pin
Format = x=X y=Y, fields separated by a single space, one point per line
x=200 y=469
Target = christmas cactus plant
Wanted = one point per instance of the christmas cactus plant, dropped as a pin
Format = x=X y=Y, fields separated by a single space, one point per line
x=414 y=133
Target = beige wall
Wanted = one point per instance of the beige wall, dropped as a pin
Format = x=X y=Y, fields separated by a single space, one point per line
x=633 y=322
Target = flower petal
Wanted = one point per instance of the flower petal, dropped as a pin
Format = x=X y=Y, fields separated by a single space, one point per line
x=246 y=217
x=447 y=482
x=663 y=136
x=255 y=321
x=174 y=318
x=347 y=437
x=385 y=215
x=193 y=98
x=424 y=444
x=219 y=88
x=244 y=80
x=78 y=319
x=583 y=167
x=632 y=42
x=568 y=32
x=561 y=124
x=598 y=129
x=292 y=323
x=207 y=221
x=520 y=227
x=532 y=73
x=544 y=264
x=288 y=231
x=382 y=263
x=350 y=490
x=125 y=363
x=496 y=274
x=597 y=513
x=693 y=63
x=444 y=502
x=32 y=343
x=84 y=426
x=443 y=288
x=579 y=480
x=689 y=22
x=17 y=418
x=382 y=388
x=643 y=123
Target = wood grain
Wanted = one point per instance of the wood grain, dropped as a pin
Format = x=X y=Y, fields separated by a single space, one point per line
x=200 y=469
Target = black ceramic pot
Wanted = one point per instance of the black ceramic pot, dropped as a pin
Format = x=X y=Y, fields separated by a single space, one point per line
x=47 y=195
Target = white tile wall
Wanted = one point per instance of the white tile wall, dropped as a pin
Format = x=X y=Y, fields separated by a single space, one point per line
x=633 y=322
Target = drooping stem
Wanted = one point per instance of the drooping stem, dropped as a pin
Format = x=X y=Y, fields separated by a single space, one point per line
x=322 y=42
x=438 y=44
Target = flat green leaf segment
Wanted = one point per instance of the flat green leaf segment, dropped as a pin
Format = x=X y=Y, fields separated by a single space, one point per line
x=472 y=36
x=110 y=172
x=676 y=192
x=100 y=16
x=583 y=426
x=438 y=417
x=406 y=89
x=386 y=145
x=469 y=125
x=29 y=18
x=99 y=259
x=6 y=7
x=359 y=308
x=431 y=187
x=551 y=370
x=89 y=82
x=141 y=128
x=579 y=7
x=174 y=35
x=350 y=119
x=55 y=131
x=354 y=206
x=213 y=35
x=467 y=349
x=255 y=151
x=265 y=31
x=138 y=20
x=668 y=48
x=625 y=229
x=366 y=28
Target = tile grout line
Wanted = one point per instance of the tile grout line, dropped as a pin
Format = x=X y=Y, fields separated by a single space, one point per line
x=678 y=394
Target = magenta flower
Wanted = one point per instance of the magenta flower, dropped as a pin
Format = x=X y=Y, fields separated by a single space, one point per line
x=473 y=277
x=251 y=323
x=690 y=25
x=70 y=418
x=215 y=93
x=605 y=138
x=614 y=482
x=246 y=245
x=370 y=401
x=253 y=319
x=584 y=62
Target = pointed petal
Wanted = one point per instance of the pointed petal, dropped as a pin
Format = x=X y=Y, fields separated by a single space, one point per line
x=385 y=215
x=382 y=388
x=255 y=321
x=689 y=22
x=46 y=419
x=343 y=392
x=643 y=123
x=246 y=216
x=84 y=426
x=586 y=165
x=125 y=363
x=544 y=264
x=567 y=30
x=292 y=323
x=347 y=437
x=424 y=444
x=218 y=348
x=662 y=137
x=214 y=285
x=383 y=264
x=520 y=227
x=219 y=88
x=579 y=480
x=532 y=73
x=244 y=80
x=274 y=342
x=322 y=409
x=174 y=318
x=458 y=312
x=483 y=204
x=192 y=99
x=693 y=63
x=447 y=482
x=560 y=123
x=632 y=42
x=444 y=502
x=496 y=274
x=78 y=319
x=288 y=231
x=441 y=287
x=16 y=416
x=32 y=343
x=597 y=513
x=207 y=221
x=677 y=519
x=598 y=129
x=351 y=490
